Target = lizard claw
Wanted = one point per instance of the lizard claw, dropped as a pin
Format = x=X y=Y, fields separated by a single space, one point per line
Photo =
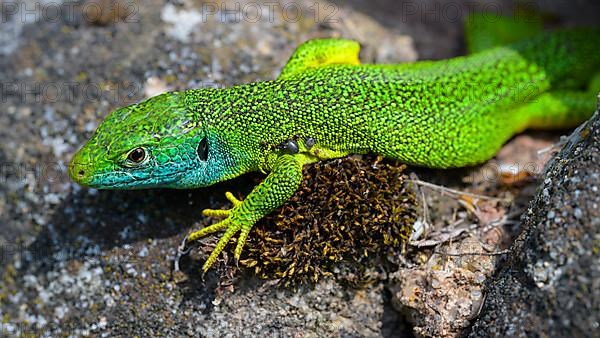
x=230 y=224
x=279 y=186
x=232 y=228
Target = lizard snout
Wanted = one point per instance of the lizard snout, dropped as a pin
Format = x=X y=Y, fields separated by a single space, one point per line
x=79 y=171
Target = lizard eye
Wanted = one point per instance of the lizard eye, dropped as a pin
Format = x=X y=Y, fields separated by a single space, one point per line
x=203 y=149
x=137 y=155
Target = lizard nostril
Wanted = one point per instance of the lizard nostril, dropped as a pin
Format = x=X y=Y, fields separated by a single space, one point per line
x=81 y=173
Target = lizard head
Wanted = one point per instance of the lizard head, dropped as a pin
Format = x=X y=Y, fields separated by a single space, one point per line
x=156 y=143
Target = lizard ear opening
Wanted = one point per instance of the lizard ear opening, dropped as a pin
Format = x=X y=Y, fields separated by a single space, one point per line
x=203 y=149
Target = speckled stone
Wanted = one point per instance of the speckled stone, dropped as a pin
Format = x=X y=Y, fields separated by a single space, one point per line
x=549 y=284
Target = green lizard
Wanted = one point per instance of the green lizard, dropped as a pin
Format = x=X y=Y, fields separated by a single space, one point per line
x=324 y=105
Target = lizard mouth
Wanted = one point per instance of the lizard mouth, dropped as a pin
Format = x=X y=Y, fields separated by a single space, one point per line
x=123 y=180
x=85 y=174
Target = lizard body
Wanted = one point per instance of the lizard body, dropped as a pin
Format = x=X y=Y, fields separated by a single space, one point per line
x=325 y=104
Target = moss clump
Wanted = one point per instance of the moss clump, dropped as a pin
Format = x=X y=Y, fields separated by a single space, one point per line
x=348 y=212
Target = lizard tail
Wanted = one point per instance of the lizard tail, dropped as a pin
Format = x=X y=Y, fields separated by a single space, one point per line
x=571 y=65
x=557 y=109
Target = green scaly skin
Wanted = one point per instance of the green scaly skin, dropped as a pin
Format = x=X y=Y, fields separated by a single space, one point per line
x=440 y=114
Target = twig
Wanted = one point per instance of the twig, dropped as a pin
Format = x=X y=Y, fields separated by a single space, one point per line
x=553 y=147
x=497 y=253
x=453 y=191
x=425 y=221
x=447 y=235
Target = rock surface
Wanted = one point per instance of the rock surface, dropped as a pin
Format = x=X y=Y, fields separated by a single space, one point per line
x=549 y=285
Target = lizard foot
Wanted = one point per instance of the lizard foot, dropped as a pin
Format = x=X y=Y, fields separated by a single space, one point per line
x=233 y=221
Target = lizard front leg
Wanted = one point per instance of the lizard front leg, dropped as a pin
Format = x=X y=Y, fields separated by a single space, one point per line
x=281 y=183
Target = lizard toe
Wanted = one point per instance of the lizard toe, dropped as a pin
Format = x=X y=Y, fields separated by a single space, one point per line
x=232 y=229
x=232 y=199
x=218 y=213
x=208 y=230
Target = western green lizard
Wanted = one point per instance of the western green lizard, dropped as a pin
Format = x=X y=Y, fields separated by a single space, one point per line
x=325 y=104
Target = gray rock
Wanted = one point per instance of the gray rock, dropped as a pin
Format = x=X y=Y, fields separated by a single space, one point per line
x=549 y=285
